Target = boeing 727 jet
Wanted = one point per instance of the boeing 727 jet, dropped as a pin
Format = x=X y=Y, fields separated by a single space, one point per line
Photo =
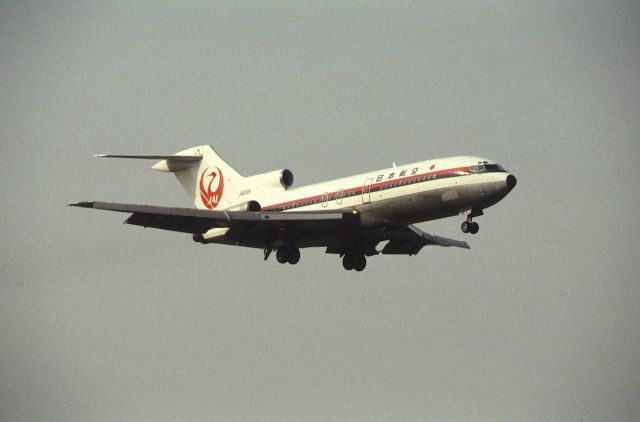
x=349 y=216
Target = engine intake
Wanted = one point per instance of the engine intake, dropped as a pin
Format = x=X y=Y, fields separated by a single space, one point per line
x=286 y=178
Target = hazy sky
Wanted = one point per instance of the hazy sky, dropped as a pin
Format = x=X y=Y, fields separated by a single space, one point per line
x=540 y=320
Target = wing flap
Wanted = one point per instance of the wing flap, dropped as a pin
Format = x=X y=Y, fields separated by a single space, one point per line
x=171 y=222
x=410 y=240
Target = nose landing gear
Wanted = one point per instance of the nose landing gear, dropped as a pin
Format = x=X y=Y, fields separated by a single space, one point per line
x=469 y=226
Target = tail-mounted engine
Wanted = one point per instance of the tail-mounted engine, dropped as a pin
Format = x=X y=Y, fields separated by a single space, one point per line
x=273 y=179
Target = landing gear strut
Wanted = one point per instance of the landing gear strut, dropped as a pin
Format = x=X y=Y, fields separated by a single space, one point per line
x=354 y=262
x=290 y=255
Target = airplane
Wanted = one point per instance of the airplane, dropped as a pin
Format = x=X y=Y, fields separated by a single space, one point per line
x=348 y=216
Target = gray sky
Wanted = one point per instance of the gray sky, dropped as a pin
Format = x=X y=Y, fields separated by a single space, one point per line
x=538 y=321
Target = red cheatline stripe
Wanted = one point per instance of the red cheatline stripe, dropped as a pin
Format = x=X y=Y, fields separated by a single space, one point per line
x=373 y=186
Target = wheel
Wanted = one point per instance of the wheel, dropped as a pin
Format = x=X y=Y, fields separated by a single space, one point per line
x=465 y=227
x=474 y=228
x=282 y=255
x=294 y=256
x=347 y=262
x=359 y=263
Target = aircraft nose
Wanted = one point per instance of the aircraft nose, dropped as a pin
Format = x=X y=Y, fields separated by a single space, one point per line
x=511 y=181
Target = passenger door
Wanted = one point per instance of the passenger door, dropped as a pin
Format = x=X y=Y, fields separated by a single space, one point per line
x=366 y=191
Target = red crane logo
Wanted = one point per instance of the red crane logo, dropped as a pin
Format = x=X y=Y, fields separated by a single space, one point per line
x=211 y=198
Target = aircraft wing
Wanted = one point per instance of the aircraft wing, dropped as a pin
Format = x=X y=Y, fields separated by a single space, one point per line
x=409 y=240
x=257 y=225
x=191 y=220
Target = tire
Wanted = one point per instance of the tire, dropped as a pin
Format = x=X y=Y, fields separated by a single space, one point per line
x=474 y=228
x=359 y=263
x=465 y=227
x=294 y=256
x=282 y=255
x=347 y=262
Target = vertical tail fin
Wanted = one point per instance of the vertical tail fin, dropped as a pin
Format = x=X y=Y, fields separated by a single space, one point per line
x=209 y=182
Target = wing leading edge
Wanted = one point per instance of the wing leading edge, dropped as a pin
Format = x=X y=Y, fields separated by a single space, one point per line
x=191 y=220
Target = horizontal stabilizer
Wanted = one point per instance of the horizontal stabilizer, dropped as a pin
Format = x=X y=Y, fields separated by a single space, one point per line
x=180 y=158
x=168 y=163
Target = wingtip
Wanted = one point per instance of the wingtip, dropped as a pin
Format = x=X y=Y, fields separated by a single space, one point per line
x=83 y=204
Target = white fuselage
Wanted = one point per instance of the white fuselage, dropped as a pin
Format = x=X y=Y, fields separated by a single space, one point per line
x=403 y=194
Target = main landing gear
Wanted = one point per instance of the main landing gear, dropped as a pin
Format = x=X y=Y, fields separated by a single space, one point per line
x=350 y=261
x=354 y=262
x=290 y=255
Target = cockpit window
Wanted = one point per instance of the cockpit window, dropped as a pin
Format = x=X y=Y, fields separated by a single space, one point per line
x=477 y=168
x=495 y=168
